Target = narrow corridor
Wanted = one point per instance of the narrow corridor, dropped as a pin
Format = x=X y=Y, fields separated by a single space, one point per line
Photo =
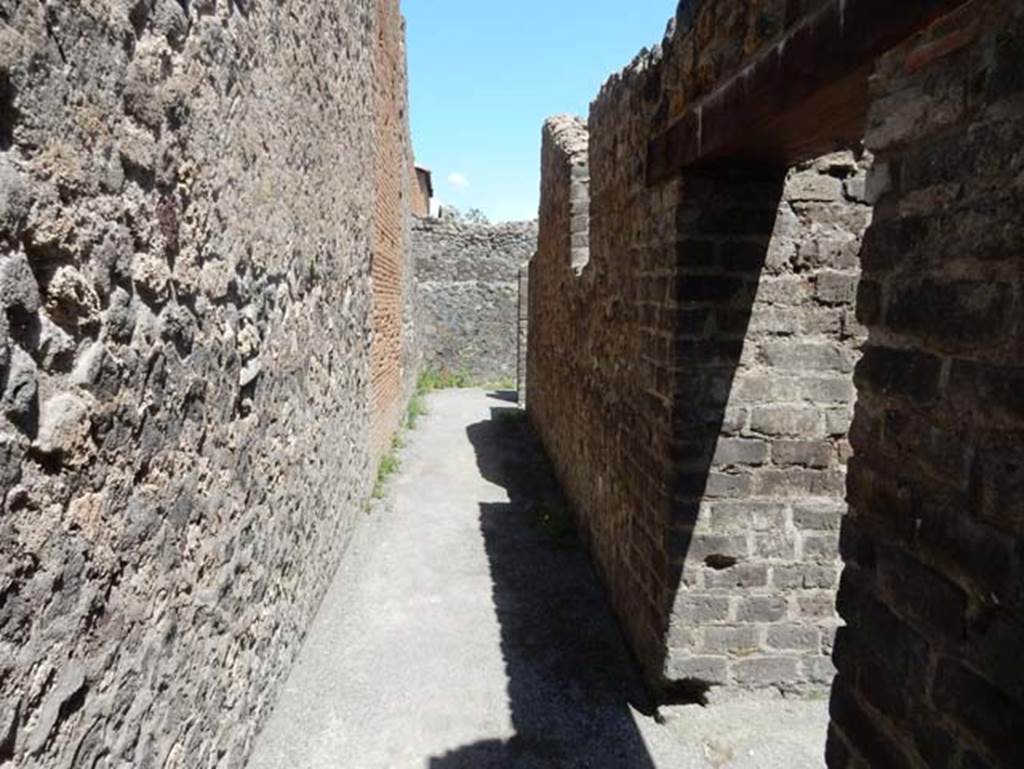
x=466 y=628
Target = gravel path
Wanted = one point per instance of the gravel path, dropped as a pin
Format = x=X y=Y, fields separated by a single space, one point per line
x=466 y=628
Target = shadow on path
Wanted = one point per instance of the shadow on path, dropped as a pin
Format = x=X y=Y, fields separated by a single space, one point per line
x=570 y=678
x=509 y=396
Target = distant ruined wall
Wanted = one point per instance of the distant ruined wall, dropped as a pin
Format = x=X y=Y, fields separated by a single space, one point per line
x=467 y=276
x=186 y=219
x=693 y=382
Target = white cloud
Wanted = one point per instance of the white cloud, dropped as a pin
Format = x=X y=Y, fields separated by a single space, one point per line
x=456 y=179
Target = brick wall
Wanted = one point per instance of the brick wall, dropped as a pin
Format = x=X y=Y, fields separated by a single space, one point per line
x=605 y=388
x=763 y=352
x=693 y=381
x=420 y=205
x=933 y=591
x=394 y=348
x=591 y=394
x=745 y=328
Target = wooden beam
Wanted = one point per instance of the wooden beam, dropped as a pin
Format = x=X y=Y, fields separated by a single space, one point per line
x=804 y=96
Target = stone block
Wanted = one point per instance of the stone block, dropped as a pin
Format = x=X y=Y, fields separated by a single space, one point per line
x=819 y=515
x=764 y=388
x=838 y=421
x=804 y=357
x=691 y=609
x=804 y=576
x=995 y=392
x=712 y=670
x=761 y=609
x=703 y=546
x=820 y=547
x=798 y=482
x=727 y=485
x=819 y=670
x=775 y=545
x=748 y=515
x=816 y=605
x=987 y=713
x=999 y=480
x=763 y=672
x=730 y=640
x=731 y=452
x=961 y=315
x=837 y=287
x=793 y=637
x=796 y=421
x=742 y=575
x=816 y=454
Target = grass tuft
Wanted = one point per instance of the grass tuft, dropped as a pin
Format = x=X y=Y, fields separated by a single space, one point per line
x=441 y=379
x=502 y=384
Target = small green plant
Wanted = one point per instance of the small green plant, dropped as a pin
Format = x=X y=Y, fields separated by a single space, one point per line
x=441 y=379
x=388 y=466
x=502 y=384
x=556 y=523
x=417 y=409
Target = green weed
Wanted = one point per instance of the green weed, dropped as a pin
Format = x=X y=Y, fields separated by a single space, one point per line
x=441 y=379
x=556 y=523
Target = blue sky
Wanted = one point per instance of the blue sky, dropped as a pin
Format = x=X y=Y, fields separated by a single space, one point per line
x=484 y=74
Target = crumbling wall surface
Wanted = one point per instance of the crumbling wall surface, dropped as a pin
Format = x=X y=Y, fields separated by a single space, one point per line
x=467 y=277
x=933 y=590
x=185 y=217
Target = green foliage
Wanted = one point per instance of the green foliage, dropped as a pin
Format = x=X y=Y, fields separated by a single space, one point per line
x=502 y=384
x=389 y=465
x=417 y=409
x=441 y=379
x=556 y=523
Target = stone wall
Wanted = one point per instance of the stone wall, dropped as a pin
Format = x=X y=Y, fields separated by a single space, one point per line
x=186 y=213
x=467 y=276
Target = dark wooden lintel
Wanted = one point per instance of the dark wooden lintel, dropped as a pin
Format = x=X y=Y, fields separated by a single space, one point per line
x=803 y=97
